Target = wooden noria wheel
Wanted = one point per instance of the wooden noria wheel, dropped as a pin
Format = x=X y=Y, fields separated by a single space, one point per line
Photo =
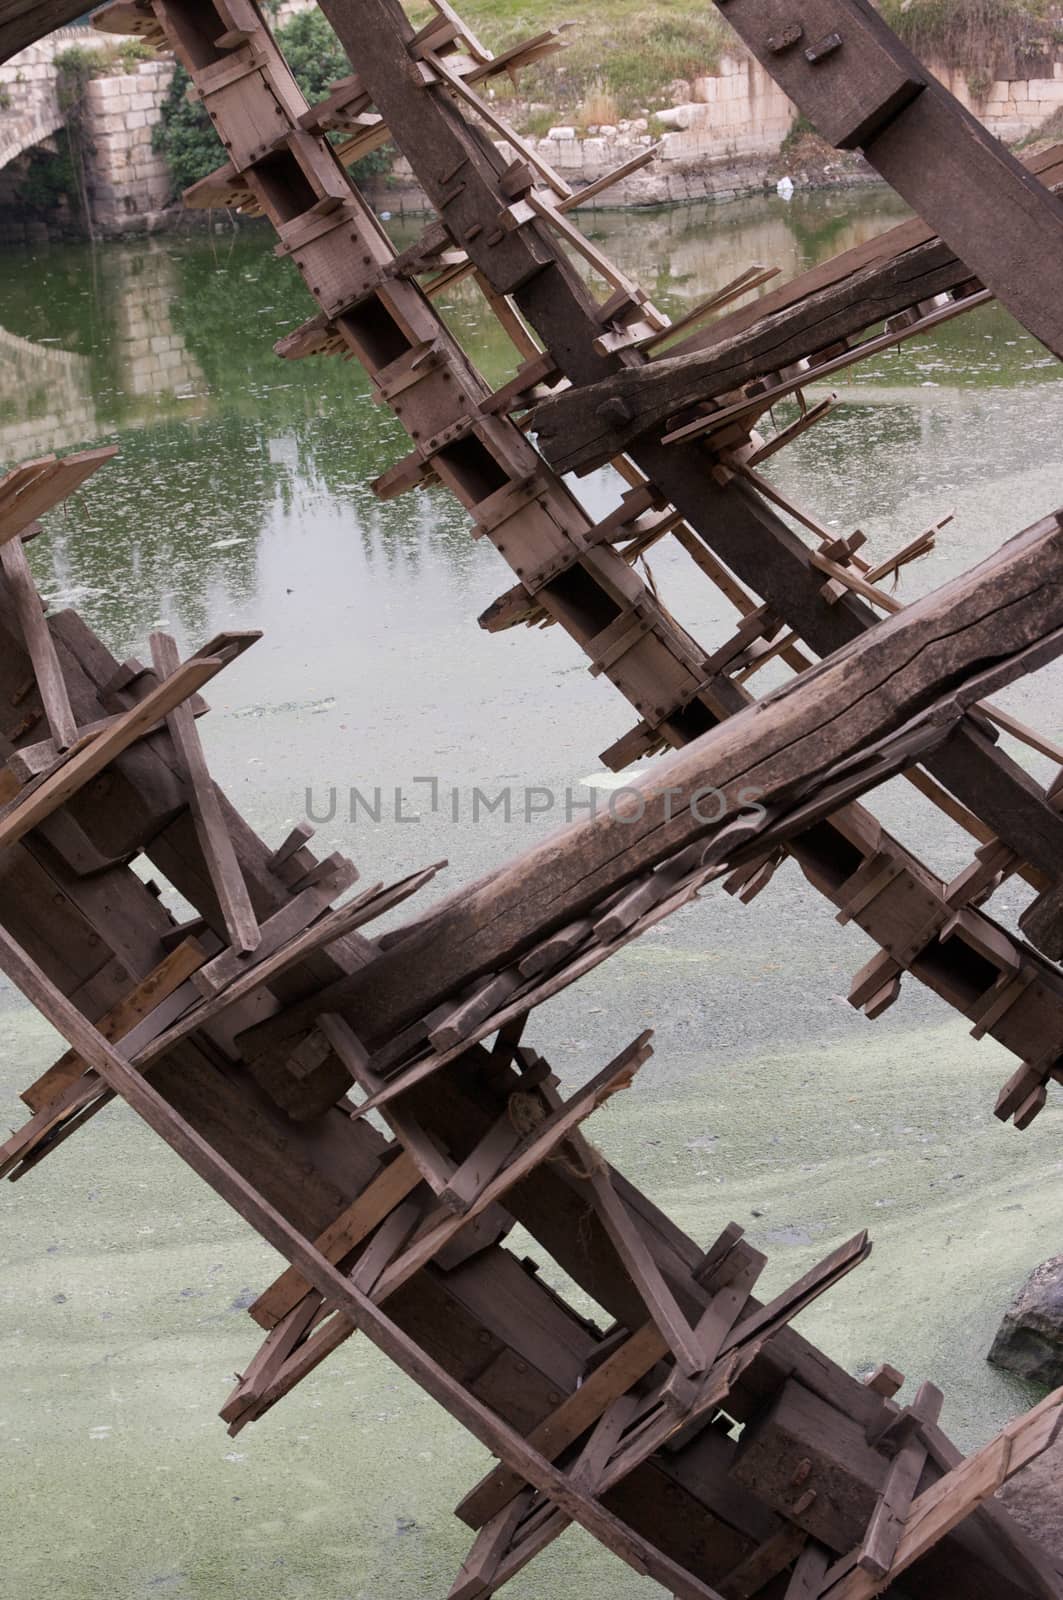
x=698 y=1436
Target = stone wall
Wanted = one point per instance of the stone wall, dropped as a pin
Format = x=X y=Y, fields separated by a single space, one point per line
x=723 y=139
x=128 y=182
x=1011 y=108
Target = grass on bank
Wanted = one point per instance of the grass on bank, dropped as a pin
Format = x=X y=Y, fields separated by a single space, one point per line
x=621 y=56
x=624 y=55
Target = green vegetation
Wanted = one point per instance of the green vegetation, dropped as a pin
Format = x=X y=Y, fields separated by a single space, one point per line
x=57 y=179
x=625 y=55
x=621 y=55
x=185 y=135
x=986 y=38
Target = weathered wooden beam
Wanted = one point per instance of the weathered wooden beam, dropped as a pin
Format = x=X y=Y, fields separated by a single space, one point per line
x=39 y=643
x=410 y=1357
x=955 y=1495
x=218 y=850
x=868 y=690
x=847 y=71
x=584 y=427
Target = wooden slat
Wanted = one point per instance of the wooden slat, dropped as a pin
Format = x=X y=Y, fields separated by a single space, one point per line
x=39 y=643
x=387 y=1190
x=212 y=831
x=954 y=1496
x=327 y=930
x=38 y=802
x=887 y=1520
x=187 y=958
x=491 y=1430
x=30 y=490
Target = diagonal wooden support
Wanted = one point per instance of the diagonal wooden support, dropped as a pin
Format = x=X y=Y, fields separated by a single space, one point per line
x=887 y=1520
x=330 y=928
x=36 y=487
x=535 y=1147
x=479 y=1574
x=433 y=1165
x=392 y=1185
x=660 y=1302
x=485 y=1424
x=639 y=1353
x=871 y=93
x=269 y=1360
x=88 y=758
x=179 y=964
x=810 y=1569
x=39 y=643
x=305 y=907
x=821 y=717
x=955 y=1496
x=241 y=924
x=753 y=1574
x=70 y=1093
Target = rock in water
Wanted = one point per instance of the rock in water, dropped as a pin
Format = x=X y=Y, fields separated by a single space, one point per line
x=1030 y=1339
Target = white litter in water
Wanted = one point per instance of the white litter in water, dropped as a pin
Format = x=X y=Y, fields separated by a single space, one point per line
x=606 y=780
x=785 y=188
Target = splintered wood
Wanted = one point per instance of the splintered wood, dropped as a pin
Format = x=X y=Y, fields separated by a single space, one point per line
x=370 y=1103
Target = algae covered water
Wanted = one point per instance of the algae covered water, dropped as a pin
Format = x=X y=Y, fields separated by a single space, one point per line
x=239 y=499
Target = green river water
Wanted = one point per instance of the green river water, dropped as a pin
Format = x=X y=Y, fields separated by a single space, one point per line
x=239 y=499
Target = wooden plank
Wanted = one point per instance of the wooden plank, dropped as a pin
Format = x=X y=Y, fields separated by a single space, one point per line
x=646 y=1275
x=635 y=1357
x=434 y=1166
x=37 y=802
x=923 y=142
x=765 y=1563
x=39 y=643
x=226 y=876
x=327 y=930
x=954 y=1496
x=534 y=1148
x=34 y=488
x=808 y=1574
x=817 y=718
x=391 y=1186
x=295 y=915
x=884 y=1530
x=491 y=1430
x=187 y=958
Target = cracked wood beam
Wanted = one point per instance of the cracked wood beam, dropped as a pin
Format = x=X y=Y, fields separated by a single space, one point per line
x=870 y=689
x=1047 y=165
x=848 y=72
x=461 y=170
x=582 y=428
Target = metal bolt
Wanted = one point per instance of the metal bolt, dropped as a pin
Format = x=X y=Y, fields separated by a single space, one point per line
x=826 y=47
x=786 y=39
